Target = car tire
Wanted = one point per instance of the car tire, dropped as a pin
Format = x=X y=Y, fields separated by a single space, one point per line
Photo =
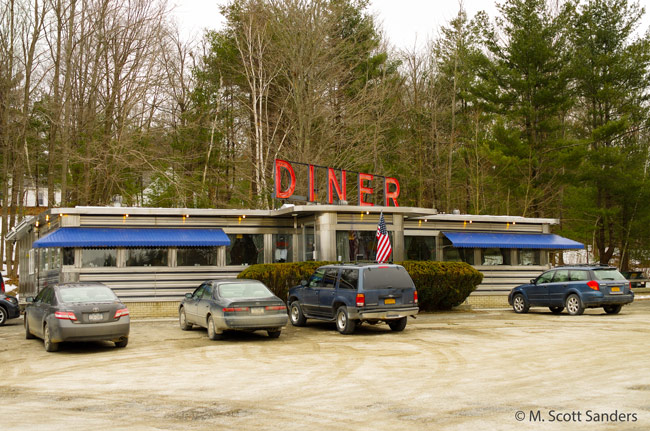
x=213 y=334
x=556 y=310
x=49 y=345
x=28 y=335
x=296 y=315
x=344 y=324
x=613 y=309
x=3 y=316
x=182 y=320
x=122 y=343
x=519 y=304
x=574 y=305
x=397 y=325
x=274 y=334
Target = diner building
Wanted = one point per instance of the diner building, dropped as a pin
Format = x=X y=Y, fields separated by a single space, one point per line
x=156 y=255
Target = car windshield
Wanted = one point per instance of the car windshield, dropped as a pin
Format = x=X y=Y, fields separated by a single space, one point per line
x=386 y=278
x=243 y=290
x=87 y=294
x=608 y=274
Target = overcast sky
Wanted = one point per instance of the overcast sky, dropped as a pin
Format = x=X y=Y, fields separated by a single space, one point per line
x=407 y=23
x=404 y=21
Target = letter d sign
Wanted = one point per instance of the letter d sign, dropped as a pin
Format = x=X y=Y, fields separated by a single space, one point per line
x=279 y=194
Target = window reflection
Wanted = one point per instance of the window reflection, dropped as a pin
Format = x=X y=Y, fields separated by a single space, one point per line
x=146 y=256
x=101 y=257
x=245 y=249
x=196 y=256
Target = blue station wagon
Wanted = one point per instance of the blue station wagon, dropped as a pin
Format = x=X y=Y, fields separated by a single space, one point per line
x=352 y=294
x=574 y=288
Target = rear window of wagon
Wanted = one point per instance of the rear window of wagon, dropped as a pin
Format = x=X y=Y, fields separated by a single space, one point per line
x=608 y=274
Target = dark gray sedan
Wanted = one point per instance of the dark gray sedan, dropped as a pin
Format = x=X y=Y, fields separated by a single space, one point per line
x=239 y=304
x=77 y=312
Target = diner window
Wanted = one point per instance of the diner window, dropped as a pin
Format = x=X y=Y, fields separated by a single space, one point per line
x=354 y=245
x=146 y=256
x=456 y=254
x=245 y=249
x=68 y=256
x=282 y=248
x=420 y=247
x=98 y=257
x=495 y=256
x=528 y=257
x=196 y=256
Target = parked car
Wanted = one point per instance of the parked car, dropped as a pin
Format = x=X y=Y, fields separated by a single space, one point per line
x=233 y=304
x=636 y=278
x=574 y=288
x=8 y=308
x=85 y=311
x=352 y=294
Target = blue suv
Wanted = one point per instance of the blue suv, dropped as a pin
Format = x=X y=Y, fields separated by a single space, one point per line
x=574 y=288
x=352 y=294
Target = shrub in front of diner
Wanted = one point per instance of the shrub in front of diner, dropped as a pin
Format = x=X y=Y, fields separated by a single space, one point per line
x=441 y=285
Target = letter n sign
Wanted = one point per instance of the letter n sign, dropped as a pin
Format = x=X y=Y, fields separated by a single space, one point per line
x=279 y=165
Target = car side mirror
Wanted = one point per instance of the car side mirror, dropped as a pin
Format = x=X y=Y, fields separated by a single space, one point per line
x=29 y=299
x=303 y=283
x=533 y=281
x=188 y=295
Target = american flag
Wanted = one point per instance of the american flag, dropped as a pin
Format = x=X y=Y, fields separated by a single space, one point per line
x=383 y=242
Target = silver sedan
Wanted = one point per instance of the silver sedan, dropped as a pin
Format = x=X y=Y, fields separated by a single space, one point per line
x=238 y=304
x=77 y=312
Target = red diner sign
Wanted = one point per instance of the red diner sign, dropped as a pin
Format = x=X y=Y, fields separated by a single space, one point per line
x=336 y=184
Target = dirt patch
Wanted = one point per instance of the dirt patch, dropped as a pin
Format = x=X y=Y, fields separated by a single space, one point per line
x=456 y=371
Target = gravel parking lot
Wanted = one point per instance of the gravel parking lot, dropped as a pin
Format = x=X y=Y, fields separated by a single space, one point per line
x=478 y=370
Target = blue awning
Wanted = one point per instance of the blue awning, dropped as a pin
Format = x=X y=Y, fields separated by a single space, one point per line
x=132 y=237
x=511 y=240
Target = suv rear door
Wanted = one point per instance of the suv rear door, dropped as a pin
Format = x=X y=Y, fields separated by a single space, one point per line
x=387 y=287
x=326 y=292
x=309 y=301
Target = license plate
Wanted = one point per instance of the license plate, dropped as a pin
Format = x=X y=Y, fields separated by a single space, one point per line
x=389 y=301
x=257 y=310
x=95 y=317
x=615 y=290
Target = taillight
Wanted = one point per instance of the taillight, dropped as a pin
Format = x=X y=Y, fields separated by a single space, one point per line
x=65 y=315
x=233 y=309
x=275 y=307
x=361 y=300
x=415 y=296
x=121 y=312
x=593 y=285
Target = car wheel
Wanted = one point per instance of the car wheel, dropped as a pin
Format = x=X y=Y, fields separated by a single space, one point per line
x=295 y=314
x=556 y=310
x=612 y=309
x=573 y=305
x=49 y=345
x=344 y=324
x=122 y=343
x=274 y=334
x=182 y=320
x=397 y=325
x=3 y=316
x=213 y=334
x=519 y=304
x=28 y=334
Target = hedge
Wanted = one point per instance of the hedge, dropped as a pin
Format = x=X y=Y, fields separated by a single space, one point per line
x=441 y=285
